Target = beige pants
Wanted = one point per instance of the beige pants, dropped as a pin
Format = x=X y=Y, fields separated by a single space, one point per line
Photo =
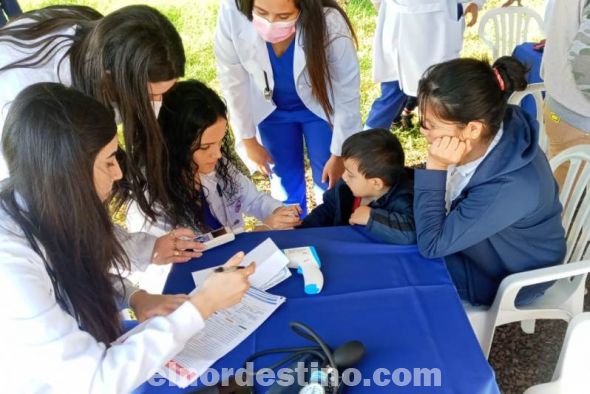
x=561 y=136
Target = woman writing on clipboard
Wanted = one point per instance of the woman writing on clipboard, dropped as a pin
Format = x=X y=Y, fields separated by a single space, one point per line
x=289 y=72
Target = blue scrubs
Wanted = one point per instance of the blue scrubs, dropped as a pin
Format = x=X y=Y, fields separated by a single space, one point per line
x=10 y=8
x=283 y=134
x=390 y=104
x=387 y=107
x=210 y=220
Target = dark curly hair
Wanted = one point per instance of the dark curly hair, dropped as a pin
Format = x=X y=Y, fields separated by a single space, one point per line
x=188 y=109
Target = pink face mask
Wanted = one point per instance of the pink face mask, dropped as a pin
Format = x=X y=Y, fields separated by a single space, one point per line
x=273 y=32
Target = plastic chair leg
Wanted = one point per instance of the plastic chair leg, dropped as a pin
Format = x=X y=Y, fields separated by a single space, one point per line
x=528 y=326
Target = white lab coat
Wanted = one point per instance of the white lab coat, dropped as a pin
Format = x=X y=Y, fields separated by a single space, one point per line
x=13 y=81
x=229 y=212
x=242 y=59
x=412 y=35
x=44 y=350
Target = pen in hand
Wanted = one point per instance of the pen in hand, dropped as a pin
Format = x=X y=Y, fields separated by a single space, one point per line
x=229 y=269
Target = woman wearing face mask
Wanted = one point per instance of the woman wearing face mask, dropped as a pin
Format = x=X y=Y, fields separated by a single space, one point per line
x=126 y=60
x=60 y=287
x=487 y=201
x=289 y=72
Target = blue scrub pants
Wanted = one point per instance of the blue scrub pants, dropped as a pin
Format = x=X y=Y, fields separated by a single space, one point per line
x=283 y=134
x=10 y=8
x=387 y=107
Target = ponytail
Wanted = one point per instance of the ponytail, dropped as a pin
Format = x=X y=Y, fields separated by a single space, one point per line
x=511 y=73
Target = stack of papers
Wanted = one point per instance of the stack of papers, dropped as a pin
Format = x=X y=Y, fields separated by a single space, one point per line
x=271 y=266
x=223 y=331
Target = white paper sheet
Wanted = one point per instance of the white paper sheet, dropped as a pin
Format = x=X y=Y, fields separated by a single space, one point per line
x=223 y=331
x=271 y=266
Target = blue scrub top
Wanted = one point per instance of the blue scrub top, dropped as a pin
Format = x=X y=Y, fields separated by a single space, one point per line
x=208 y=216
x=284 y=94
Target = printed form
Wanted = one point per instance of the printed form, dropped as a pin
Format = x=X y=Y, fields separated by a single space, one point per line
x=223 y=331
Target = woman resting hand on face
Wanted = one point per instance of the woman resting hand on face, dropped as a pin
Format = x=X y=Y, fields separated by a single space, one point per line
x=487 y=201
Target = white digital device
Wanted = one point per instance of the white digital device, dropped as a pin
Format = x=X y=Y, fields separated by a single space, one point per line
x=307 y=262
x=215 y=238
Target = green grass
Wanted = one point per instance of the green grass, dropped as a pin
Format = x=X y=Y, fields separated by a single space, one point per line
x=196 y=19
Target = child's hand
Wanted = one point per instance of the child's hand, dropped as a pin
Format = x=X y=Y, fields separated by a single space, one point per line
x=146 y=305
x=176 y=247
x=284 y=218
x=446 y=151
x=360 y=215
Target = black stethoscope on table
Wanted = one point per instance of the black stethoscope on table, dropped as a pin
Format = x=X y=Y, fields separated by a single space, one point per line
x=326 y=378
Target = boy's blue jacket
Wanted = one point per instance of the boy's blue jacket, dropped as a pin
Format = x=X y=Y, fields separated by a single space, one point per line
x=391 y=220
x=506 y=220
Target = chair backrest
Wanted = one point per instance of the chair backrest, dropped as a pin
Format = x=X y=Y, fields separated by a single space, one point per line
x=571 y=373
x=511 y=27
x=536 y=91
x=575 y=197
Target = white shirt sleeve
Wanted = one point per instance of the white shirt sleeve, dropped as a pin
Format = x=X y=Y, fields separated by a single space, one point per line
x=136 y=221
x=255 y=203
x=345 y=77
x=138 y=246
x=50 y=353
x=233 y=77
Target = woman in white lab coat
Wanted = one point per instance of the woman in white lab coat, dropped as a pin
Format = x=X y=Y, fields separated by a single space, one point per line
x=126 y=60
x=412 y=35
x=60 y=261
x=289 y=72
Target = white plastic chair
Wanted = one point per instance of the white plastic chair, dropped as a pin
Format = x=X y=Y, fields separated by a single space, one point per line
x=536 y=91
x=571 y=373
x=511 y=28
x=565 y=299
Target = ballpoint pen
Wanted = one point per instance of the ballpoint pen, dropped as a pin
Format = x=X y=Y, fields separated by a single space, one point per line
x=230 y=269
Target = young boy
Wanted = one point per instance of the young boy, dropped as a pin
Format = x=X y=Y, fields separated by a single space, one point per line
x=376 y=190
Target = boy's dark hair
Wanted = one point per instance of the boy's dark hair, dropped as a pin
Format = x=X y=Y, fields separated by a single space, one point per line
x=379 y=155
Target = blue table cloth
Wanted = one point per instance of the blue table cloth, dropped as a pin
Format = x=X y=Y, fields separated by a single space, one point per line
x=403 y=307
x=532 y=58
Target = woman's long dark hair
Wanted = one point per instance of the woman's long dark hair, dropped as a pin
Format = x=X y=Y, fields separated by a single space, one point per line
x=464 y=90
x=51 y=138
x=113 y=59
x=315 y=37
x=187 y=111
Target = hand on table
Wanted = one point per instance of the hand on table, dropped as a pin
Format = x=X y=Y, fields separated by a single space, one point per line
x=146 y=305
x=446 y=151
x=259 y=155
x=360 y=215
x=333 y=170
x=176 y=247
x=473 y=11
x=284 y=218
x=223 y=289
